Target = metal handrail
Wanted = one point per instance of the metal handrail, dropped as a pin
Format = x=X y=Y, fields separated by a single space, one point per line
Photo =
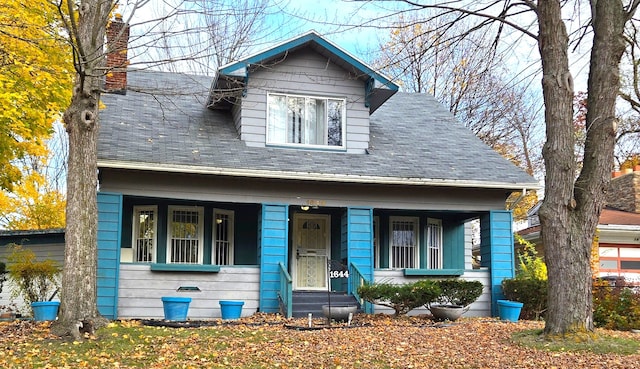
x=286 y=292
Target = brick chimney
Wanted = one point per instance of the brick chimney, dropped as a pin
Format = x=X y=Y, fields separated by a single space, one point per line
x=624 y=191
x=116 y=64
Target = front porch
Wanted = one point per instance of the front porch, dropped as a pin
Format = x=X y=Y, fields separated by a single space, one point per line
x=291 y=252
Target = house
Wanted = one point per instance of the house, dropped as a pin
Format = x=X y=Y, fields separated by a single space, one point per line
x=618 y=230
x=293 y=171
x=46 y=244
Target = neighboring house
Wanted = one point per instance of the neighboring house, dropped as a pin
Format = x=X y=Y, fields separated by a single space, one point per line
x=244 y=186
x=618 y=229
x=46 y=244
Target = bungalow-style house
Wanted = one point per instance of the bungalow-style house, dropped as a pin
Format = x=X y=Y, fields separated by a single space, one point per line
x=292 y=172
x=618 y=230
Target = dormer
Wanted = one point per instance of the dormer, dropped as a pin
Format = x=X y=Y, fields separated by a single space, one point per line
x=305 y=93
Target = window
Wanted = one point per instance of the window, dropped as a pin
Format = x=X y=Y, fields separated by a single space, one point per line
x=304 y=120
x=434 y=243
x=403 y=233
x=619 y=260
x=223 y=237
x=144 y=233
x=184 y=235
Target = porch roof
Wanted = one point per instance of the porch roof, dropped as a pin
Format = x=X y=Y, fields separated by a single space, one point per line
x=162 y=124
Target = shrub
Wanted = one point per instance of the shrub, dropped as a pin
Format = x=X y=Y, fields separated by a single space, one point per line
x=531 y=292
x=402 y=298
x=530 y=284
x=32 y=279
x=458 y=292
x=615 y=306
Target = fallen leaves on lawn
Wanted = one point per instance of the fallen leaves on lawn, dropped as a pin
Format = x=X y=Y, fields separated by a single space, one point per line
x=267 y=341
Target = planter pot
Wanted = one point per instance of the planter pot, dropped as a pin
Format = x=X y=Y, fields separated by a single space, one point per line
x=339 y=312
x=231 y=309
x=176 y=308
x=447 y=312
x=45 y=310
x=509 y=310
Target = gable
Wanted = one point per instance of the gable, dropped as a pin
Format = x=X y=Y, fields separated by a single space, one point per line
x=303 y=74
x=234 y=76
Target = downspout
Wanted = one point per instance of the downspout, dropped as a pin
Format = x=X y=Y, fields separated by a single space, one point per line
x=522 y=195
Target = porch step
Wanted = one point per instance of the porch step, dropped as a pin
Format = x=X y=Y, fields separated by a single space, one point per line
x=305 y=302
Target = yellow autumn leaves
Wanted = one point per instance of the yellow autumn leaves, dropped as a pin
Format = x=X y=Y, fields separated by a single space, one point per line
x=35 y=86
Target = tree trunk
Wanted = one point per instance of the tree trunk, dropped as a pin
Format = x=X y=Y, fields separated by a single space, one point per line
x=78 y=303
x=569 y=214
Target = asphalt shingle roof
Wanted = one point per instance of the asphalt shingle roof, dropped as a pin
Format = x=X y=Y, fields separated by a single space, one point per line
x=162 y=120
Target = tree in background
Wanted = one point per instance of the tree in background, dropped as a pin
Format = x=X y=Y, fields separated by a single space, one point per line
x=467 y=75
x=571 y=208
x=35 y=83
x=198 y=36
x=38 y=199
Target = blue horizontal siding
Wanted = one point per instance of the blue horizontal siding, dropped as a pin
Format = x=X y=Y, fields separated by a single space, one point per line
x=497 y=251
x=274 y=230
x=109 y=228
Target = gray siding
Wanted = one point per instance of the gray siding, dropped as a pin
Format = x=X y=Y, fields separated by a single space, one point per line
x=53 y=251
x=244 y=190
x=141 y=290
x=481 y=307
x=306 y=73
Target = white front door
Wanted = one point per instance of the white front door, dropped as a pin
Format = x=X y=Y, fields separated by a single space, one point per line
x=311 y=249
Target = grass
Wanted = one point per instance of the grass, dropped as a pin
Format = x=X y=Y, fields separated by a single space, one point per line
x=597 y=344
x=379 y=342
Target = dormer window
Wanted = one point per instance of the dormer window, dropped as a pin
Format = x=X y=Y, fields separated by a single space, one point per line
x=306 y=121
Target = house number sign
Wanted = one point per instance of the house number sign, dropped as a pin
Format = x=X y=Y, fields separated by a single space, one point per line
x=337 y=270
x=334 y=274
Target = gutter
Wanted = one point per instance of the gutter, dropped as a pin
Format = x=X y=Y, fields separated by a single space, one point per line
x=309 y=176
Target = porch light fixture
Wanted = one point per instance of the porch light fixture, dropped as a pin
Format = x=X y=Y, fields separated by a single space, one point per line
x=218 y=220
x=304 y=207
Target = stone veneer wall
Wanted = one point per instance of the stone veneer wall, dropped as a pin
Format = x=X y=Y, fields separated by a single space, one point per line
x=624 y=192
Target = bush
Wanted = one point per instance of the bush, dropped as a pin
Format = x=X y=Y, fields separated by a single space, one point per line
x=402 y=298
x=531 y=292
x=32 y=279
x=616 y=306
x=458 y=292
x=530 y=284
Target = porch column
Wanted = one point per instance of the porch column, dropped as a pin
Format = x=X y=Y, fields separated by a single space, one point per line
x=272 y=250
x=357 y=243
x=496 y=250
x=109 y=232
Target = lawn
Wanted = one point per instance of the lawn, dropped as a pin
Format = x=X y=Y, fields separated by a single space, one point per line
x=267 y=341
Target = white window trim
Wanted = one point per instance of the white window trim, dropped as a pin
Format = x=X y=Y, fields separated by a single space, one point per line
x=135 y=230
x=230 y=231
x=416 y=249
x=200 y=211
x=269 y=141
x=431 y=222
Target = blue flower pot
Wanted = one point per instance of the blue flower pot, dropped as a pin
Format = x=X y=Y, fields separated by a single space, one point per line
x=231 y=309
x=176 y=308
x=509 y=310
x=45 y=310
